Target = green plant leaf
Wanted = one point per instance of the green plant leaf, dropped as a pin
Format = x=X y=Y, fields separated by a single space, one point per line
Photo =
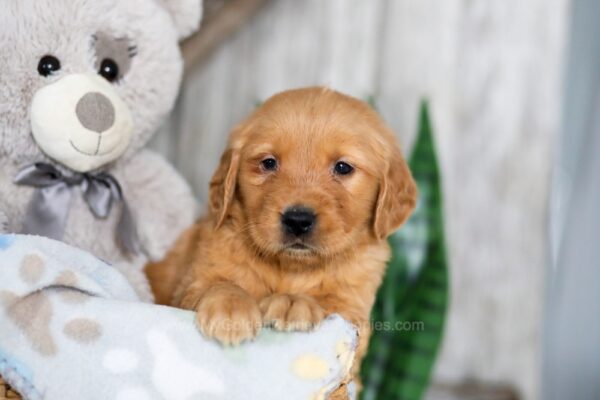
x=410 y=308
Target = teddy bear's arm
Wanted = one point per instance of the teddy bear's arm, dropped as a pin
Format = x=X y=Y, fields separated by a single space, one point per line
x=3 y=218
x=161 y=201
x=3 y=221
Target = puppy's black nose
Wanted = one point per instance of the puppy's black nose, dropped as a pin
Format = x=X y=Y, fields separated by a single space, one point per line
x=298 y=221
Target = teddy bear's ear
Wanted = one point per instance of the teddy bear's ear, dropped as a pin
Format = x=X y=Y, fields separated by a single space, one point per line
x=186 y=14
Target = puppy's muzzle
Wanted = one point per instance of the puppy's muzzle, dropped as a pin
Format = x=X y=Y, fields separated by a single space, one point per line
x=298 y=221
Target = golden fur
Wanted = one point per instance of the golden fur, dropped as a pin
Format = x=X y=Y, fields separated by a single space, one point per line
x=234 y=267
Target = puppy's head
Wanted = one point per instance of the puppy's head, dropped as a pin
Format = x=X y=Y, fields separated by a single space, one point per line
x=312 y=174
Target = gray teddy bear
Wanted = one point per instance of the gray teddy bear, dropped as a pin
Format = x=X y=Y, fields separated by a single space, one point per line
x=84 y=84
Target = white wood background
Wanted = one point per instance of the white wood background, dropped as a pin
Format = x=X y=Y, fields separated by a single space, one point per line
x=492 y=71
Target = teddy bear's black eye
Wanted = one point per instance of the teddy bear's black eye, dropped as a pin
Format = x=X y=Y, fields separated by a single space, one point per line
x=269 y=164
x=342 y=168
x=109 y=69
x=47 y=65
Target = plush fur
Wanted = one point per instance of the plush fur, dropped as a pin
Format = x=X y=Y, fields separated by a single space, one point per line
x=237 y=268
x=69 y=30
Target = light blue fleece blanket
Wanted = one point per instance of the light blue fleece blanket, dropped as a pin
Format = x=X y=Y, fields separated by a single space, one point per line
x=71 y=328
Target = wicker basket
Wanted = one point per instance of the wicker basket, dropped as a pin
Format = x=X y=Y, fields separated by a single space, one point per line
x=6 y=392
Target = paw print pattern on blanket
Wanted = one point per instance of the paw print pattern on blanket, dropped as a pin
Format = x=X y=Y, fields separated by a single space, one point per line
x=83 y=330
x=32 y=268
x=32 y=313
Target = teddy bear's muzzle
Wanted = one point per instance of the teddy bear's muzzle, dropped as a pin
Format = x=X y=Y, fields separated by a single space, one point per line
x=81 y=122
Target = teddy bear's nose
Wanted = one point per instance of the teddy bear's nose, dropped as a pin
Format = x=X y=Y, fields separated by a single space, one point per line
x=95 y=112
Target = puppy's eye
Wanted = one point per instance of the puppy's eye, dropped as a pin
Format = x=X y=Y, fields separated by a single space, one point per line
x=109 y=69
x=342 y=168
x=47 y=65
x=269 y=164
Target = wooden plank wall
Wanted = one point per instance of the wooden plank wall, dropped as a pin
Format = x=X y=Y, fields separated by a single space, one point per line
x=491 y=70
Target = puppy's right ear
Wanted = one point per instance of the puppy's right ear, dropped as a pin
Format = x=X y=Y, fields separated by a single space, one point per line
x=223 y=184
x=397 y=196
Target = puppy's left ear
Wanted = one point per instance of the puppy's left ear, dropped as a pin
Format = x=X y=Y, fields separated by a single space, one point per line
x=397 y=196
x=186 y=14
x=223 y=184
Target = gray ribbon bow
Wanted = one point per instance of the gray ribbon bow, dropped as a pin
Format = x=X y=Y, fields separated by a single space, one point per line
x=49 y=207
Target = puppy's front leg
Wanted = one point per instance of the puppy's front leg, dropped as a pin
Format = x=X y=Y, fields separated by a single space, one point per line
x=226 y=312
x=287 y=312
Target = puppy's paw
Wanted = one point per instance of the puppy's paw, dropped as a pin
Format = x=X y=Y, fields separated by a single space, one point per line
x=291 y=312
x=229 y=316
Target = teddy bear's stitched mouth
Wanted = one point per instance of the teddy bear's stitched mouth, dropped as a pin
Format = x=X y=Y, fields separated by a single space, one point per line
x=96 y=154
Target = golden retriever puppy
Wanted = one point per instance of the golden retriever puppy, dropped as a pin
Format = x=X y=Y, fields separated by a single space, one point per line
x=306 y=193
